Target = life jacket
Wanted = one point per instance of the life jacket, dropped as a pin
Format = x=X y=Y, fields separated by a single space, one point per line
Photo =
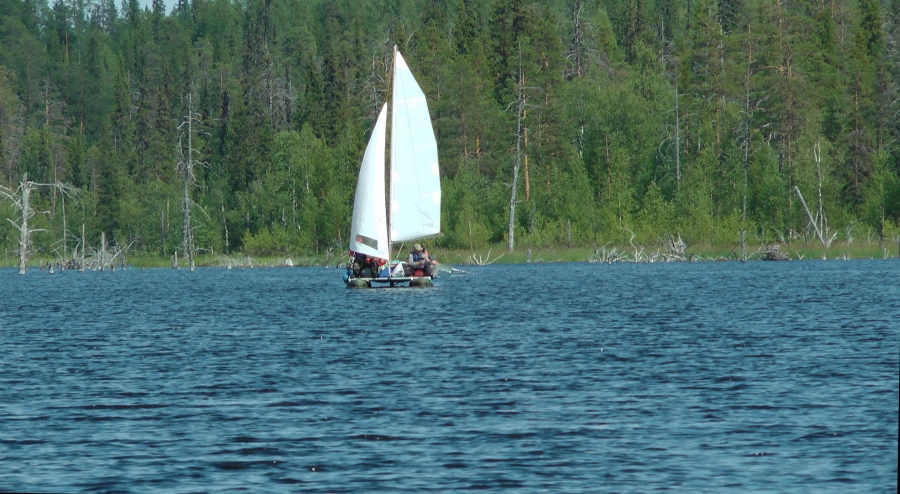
x=418 y=256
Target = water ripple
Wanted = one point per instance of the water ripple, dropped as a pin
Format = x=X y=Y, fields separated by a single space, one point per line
x=549 y=377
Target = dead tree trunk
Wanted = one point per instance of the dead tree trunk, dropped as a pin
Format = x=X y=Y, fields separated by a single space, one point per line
x=65 y=232
x=24 y=232
x=186 y=167
x=188 y=246
x=811 y=220
x=820 y=213
x=743 y=245
x=520 y=114
x=667 y=57
x=81 y=266
x=103 y=254
x=21 y=200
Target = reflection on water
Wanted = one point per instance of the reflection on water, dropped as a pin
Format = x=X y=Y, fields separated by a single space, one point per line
x=547 y=377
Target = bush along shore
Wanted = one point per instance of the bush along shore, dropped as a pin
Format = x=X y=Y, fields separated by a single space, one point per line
x=665 y=250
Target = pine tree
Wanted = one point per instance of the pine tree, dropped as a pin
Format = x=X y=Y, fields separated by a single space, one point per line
x=507 y=24
x=858 y=139
x=108 y=185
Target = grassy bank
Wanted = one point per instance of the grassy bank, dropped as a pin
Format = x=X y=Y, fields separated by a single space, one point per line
x=798 y=251
x=498 y=254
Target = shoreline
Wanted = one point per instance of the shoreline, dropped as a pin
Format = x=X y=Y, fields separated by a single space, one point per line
x=497 y=254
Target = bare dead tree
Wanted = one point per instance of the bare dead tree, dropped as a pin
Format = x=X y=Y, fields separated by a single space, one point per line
x=277 y=91
x=478 y=260
x=820 y=213
x=21 y=200
x=81 y=262
x=670 y=59
x=521 y=105
x=819 y=222
x=376 y=81
x=101 y=258
x=186 y=170
x=743 y=239
x=826 y=242
x=582 y=50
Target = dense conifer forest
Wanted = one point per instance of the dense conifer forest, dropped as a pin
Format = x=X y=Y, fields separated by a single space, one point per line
x=634 y=119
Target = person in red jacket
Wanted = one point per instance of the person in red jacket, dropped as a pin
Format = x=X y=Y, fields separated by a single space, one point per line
x=364 y=266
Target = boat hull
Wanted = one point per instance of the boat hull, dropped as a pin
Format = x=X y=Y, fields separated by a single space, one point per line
x=395 y=282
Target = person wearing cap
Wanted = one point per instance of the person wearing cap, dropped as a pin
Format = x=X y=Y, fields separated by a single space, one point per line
x=419 y=260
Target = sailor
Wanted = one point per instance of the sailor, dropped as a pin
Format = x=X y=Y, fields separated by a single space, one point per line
x=366 y=266
x=420 y=260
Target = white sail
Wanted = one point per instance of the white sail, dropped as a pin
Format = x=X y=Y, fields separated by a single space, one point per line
x=415 y=180
x=368 y=232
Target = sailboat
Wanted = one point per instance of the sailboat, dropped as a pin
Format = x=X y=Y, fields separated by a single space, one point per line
x=414 y=209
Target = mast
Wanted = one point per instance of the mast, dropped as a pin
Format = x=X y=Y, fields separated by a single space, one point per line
x=390 y=160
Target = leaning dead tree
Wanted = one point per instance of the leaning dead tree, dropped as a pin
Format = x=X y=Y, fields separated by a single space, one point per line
x=21 y=200
x=823 y=236
x=820 y=222
x=186 y=170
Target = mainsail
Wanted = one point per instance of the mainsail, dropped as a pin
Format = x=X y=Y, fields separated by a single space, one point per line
x=415 y=181
x=368 y=232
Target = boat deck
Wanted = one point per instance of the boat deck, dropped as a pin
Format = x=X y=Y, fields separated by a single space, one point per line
x=390 y=282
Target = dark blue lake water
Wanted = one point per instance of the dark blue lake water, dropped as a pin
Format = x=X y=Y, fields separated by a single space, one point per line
x=545 y=378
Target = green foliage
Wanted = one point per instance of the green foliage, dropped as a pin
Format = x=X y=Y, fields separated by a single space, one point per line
x=881 y=199
x=471 y=200
x=792 y=94
x=696 y=198
x=656 y=215
x=769 y=191
x=264 y=243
